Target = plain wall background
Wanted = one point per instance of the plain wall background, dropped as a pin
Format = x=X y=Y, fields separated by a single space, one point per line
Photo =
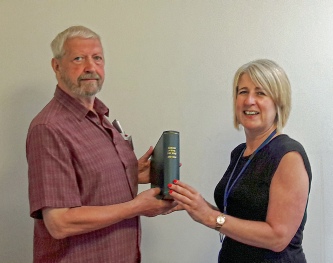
x=169 y=65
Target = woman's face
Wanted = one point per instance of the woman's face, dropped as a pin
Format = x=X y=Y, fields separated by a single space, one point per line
x=255 y=110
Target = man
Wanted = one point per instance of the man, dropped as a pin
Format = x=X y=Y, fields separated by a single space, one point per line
x=83 y=176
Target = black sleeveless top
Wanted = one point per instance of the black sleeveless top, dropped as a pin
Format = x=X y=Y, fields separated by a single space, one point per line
x=249 y=200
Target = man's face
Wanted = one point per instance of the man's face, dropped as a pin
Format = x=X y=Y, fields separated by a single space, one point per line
x=80 y=71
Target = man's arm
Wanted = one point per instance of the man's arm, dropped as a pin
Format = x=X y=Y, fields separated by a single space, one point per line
x=65 y=222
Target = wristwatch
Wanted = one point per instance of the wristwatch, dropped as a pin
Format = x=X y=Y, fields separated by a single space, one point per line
x=220 y=220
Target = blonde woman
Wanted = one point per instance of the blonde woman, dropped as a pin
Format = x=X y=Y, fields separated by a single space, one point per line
x=262 y=197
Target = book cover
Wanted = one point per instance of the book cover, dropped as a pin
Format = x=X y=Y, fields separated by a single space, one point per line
x=164 y=166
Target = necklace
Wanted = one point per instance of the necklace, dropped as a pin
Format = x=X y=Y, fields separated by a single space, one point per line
x=229 y=188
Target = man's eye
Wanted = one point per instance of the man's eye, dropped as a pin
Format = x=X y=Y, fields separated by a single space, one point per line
x=78 y=59
x=98 y=58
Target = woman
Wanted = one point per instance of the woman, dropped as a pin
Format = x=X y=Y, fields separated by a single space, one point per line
x=262 y=197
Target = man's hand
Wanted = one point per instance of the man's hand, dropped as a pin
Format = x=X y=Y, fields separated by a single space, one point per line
x=150 y=206
x=144 y=167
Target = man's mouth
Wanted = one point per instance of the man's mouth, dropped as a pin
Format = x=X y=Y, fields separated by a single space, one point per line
x=92 y=76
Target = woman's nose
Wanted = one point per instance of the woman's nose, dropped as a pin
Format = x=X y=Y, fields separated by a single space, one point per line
x=250 y=99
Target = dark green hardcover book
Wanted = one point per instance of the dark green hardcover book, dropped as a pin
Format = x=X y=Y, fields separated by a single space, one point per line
x=164 y=166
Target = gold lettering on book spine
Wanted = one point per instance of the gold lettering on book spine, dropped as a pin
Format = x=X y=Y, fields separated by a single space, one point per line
x=172 y=152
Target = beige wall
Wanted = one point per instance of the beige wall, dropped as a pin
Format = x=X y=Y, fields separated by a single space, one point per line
x=169 y=66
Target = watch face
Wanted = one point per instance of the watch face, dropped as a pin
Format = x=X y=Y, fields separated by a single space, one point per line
x=220 y=220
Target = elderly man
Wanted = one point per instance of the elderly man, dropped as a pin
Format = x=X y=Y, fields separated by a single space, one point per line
x=83 y=175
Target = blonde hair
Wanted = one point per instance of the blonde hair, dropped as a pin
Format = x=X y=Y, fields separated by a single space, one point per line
x=272 y=79
x=57 y=45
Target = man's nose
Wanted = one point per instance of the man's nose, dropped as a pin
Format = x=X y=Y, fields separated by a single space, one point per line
x=89 y=65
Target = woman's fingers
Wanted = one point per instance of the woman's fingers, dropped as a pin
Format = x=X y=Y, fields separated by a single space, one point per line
x=185 y=186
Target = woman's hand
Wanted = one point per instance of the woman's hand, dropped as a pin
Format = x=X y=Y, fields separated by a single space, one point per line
x=192 y=201
x=178 y=207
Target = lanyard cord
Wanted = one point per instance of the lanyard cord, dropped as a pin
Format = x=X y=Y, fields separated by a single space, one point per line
x=228 y=189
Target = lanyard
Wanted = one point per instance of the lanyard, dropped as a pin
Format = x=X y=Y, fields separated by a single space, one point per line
x=228 y=189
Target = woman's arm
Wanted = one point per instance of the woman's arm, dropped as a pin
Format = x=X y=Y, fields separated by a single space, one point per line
x=287 y=201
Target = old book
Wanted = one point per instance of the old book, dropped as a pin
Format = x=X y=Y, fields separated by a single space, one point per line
x=164 y=167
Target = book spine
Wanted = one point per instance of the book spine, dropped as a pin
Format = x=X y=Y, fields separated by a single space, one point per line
x=171 y=160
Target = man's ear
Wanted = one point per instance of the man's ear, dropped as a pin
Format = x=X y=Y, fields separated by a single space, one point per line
x=55 y=65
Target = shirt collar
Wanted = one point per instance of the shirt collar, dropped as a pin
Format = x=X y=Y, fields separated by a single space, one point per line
x=76 y=107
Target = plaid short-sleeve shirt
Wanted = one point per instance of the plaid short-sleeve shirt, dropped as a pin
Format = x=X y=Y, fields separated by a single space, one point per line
x=76 y=158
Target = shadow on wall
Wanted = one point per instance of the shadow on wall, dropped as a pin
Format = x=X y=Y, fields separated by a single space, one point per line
x=16 y=226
